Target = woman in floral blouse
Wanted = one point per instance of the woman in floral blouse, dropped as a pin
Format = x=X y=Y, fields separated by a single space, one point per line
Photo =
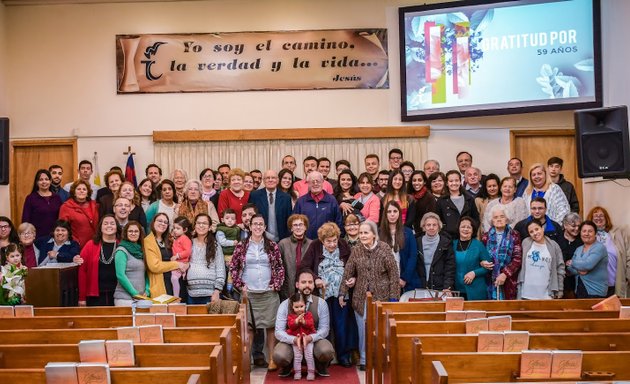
x=257 y=266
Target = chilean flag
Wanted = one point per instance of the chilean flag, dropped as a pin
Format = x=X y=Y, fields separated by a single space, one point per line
x=130 y=171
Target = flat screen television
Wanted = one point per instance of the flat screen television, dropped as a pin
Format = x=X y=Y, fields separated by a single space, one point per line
x=475 y=58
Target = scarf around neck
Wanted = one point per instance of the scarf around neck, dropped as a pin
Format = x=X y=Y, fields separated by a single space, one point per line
x=134 y=249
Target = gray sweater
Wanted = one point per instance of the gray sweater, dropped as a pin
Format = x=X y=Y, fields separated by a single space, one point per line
x=203 y=279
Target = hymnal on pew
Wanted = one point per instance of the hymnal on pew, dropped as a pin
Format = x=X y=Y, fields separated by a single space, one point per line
x=24 y=311
x=162 y=299
x=536 y=364
x=177 y=308
x=455 y=315
x=566 y=365
x=6 y=311
x=144 y=319
x=128 y=333
x=624 y=312
x=120 y=353
x=611 y=303
x=93 y=373
x=159 y=308
x=151 y=334
x=515 y=341
x=500 y=323
x=165 y=319
x=61 y=373
x=92 y=351
x=476 y=325
x=490 y=341
x=454 y=303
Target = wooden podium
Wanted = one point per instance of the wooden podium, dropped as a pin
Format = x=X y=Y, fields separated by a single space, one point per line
x=53 y=285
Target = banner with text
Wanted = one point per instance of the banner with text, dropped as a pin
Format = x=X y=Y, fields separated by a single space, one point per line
x=246 y=61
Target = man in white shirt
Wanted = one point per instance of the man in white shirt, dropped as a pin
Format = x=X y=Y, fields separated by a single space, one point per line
x=85 y=173
x=323 y=350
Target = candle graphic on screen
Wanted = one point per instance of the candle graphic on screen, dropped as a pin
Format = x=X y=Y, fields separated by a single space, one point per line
x=435 y=67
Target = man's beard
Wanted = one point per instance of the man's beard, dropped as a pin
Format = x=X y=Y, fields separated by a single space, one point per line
x=307 y=291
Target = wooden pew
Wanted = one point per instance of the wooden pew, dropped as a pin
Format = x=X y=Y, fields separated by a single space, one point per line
x=399 y=346
x=123 y=375
x=466 y=367
x=224 y=336
x=105 y=311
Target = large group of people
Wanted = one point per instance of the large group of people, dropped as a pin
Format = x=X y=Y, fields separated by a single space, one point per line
x=308 y=250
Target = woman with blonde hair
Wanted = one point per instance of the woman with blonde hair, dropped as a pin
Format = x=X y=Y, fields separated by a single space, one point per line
x=540 y=185
x=616 y=241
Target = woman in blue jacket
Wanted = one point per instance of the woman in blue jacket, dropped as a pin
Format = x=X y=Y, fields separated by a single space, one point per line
x=470 y=276
x=393 y=232
x=59 y=246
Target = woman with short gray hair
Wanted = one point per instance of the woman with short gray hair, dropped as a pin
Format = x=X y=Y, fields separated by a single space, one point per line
x=569 y=242
x=436 y=259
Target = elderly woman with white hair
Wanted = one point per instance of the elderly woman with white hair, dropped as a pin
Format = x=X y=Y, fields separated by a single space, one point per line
x=371 y=267
x=504 y=246
x=179 y=177
x=436 y=258
x=193 y=204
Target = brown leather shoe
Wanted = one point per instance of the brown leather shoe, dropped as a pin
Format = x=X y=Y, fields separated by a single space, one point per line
x=272 y=366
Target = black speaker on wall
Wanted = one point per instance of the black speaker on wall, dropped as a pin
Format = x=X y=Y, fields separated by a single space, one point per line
x=603 y=144
x=4 y=150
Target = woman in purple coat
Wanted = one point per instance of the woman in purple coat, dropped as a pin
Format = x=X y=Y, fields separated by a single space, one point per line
x=41 y=207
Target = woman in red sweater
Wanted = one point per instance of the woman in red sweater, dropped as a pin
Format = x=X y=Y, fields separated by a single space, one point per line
x=81 y=212
x=97 y=273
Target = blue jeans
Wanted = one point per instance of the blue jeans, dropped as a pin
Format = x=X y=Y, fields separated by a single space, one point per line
x=199 y=300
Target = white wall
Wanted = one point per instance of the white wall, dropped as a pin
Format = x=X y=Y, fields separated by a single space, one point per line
x=61 y=79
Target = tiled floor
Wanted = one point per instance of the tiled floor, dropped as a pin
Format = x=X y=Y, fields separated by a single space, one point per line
x=257 y=375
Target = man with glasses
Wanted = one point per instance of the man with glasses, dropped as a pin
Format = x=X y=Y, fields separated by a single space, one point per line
x=538 y=210
x=310 y=165
x=395 y=158
x=122 y=209
x=26 y=232
x=318 y=205
x=274 y=205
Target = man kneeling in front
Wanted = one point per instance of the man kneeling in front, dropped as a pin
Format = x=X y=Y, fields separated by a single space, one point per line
x=322 y=350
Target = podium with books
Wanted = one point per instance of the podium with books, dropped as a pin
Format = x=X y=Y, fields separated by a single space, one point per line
x=53 y=285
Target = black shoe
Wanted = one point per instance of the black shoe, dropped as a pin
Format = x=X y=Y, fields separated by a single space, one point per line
x=285 y=372
x=323 y=372
x=361 y=367
x=260 y=362
x=346 y=363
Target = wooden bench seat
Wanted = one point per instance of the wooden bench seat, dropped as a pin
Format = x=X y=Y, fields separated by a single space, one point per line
x=399 y=364
x=105 y=311
x=467 y=367
x=166 y=375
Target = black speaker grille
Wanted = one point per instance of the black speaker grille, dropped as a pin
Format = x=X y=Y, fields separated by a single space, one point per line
x=603 y=152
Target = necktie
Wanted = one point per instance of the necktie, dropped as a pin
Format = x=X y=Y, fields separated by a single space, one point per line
x=270 y=198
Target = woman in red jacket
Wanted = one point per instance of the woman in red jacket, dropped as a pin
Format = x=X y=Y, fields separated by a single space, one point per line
x=97 y=273
x=81 y=212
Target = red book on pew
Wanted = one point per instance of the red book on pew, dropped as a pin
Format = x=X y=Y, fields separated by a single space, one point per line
x=500 y=323
x=151 y=334
x=6 y=311
x=120 y=353
x=611 y=303
x=128 y=333
x=475 y=314
x=92 y=351
x=144 y=319
x=455 y=315
x=624 y=312
x=475 y=325
x=177 y=308
x=165 y=319
x=159 y=308
x=515 y=341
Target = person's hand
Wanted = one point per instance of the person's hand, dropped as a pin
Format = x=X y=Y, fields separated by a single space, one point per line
x=77 y=260
x=402 y=283
x=52 y=255
x=82 y=303
x=500 y=280
x=346 y=208
x=469 y=277
x=568 y=263
x=582 y=273
x=487 y=264
x=175 y=257
x=319 y=283
x=342 y=301
x=558 y=295
x=215 y=296
x=351 y=281
x=183 y=267
x=307 y=339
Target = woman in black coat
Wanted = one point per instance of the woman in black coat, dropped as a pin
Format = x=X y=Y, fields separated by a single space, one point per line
x=436 y=259
x=456 y=204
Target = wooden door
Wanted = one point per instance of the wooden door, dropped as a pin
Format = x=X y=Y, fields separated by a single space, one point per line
x=27 y=156
x=537 y=146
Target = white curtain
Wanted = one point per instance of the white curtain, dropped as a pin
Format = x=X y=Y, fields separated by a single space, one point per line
x=267 y=154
